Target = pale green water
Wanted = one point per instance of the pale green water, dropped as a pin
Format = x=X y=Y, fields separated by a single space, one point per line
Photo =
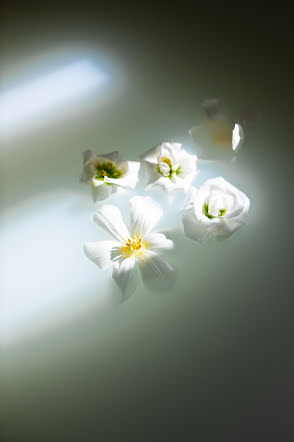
x=202 y=362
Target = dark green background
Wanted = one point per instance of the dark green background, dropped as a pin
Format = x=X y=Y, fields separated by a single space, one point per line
x=212 y=360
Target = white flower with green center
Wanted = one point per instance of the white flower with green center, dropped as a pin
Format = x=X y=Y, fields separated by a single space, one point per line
x=133 y=248
x=106 y=173
x=216 y=209
x=170 y=167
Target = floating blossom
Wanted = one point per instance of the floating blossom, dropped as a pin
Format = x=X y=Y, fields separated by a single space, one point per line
x=106 y=173
x=216 y=209
x=170 y=167
x=217 y=132
x=134 y=248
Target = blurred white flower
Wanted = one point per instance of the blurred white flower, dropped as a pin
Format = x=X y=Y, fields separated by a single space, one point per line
x=218 y=135
x=216 y=209
x=170 y=167
x=134 y=248
x=106 y=173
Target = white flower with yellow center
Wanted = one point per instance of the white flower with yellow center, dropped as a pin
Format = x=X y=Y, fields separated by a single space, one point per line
x=170 y=167
x=218 y=135
x=133 y=248
x=216 y=209
x=106 y=173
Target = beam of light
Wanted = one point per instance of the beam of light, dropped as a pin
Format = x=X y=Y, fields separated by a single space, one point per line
x=46 y=279
x=48 y=92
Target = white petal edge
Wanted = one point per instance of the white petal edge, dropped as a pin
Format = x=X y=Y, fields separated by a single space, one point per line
x=102 y=253
x=237 y=137
x=130 y=178
x=194 y=229
x=102 y=192
x=158 y=241
x=109 y=218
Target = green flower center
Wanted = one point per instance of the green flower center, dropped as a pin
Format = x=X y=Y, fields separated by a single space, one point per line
x=171 y=170
x=221 y=212
x=107 y=169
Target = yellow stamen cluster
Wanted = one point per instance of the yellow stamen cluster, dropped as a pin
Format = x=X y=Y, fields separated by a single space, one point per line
x=167 y=161
x=134 y=243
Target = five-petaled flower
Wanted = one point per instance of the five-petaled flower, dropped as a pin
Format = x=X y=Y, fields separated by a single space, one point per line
x=170 y=167
x=216 y=209
x=133 y=248
x=106 y=173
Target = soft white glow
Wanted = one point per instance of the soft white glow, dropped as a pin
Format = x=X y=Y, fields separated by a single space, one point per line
x=48 y=92
x=46 y=279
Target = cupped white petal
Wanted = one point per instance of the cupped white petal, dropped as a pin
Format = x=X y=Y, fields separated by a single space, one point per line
x=144 y=214
x=103 y=191
x=130 y=176
x=125 y=275
x=187 y=163
x=157 y=241
x=103 y=253
x=163 y=149
x=193 y=228
x=169 y=151
x=219 y=207
x=109 y=218
x=151 y=156
x=192 y=194
x=177 y=182
x=156 y=273
x=237 y=137
x=162 y=182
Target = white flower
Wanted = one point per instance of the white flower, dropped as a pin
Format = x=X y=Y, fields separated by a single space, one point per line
x=136 y=245
x=106 y=173
x=216 y=209
x=218 y=135
x=170 y=167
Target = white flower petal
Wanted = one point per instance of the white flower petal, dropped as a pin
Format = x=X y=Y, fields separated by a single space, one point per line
x=157 y=241
x=187 y=162
x=112 y=156
x=125 y=275
x=193 y=228
x=216 y=195
x=102 y=192
x=162 y=182
x=156 y=273
x=163 y=149
x=151 y=156
x=172 y=146
x=88 y=155
x=237 y=137
x=191 y=197
x=130 y=177
x=144 y=214
x=96 y=183
x=103 y=253
x=109 y=218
